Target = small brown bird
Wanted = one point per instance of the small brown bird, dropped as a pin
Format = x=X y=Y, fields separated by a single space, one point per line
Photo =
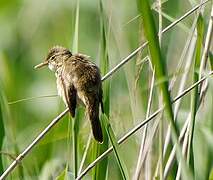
x=78 y=80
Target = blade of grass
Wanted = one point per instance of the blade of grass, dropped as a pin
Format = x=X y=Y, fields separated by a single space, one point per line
x=195 y=94
x=31 y=98
x=2 y=119
x=100 y=171
x=63 y=175
x=211 y=60
x=160 y=24
x=85 y=153
x=139 y=162
x=75 y=37
x=156 y=57
x=206 y=49
x=75 y=121
x=159 y=63
x=111 y=135
x=171 y=19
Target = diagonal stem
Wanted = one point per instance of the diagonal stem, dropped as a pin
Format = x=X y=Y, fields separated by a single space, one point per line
x=35 y=141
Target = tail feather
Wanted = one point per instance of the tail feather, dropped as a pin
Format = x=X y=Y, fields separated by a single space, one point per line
x=93 y=112
x=97 y=131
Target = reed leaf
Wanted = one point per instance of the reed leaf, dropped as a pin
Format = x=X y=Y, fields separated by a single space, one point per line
x=195 y=94
x=2 y=119
x=211 y=60
x=100 y=171
x=75 y=121
x=111 y=135
x=159 y=63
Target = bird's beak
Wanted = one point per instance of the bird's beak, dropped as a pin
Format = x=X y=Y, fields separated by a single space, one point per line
x=41 y=65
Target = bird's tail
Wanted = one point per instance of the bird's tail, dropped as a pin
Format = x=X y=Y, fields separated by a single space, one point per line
x=93 y=112
x=96 y=130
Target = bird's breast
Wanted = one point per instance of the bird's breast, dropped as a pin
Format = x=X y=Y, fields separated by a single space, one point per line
x=60 y=87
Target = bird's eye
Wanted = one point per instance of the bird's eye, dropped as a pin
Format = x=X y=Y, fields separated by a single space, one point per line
x=52 y=58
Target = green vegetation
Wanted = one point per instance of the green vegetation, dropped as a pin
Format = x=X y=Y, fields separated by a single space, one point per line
x=168 y=61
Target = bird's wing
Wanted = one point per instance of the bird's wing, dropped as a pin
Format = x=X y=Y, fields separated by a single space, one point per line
x=70 y=96
x=72 y=100
x=101 y=99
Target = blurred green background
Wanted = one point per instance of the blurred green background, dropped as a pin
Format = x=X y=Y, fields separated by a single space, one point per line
x=28 y=29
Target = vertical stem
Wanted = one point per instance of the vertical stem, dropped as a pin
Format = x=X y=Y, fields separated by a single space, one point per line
x=206 y=50
x=75 y=40
x=85 y=153
x=139 y=162
x=75 y=121
x=160 y=101
x=207 y=44
x=75 y=148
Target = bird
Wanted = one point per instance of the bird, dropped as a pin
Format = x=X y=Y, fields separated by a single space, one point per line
x=78 y=82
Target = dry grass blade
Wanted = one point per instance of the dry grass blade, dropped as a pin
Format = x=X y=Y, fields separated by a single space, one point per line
x=206 y=50
x=139 y=162
x=31 y=98
x=85 y=154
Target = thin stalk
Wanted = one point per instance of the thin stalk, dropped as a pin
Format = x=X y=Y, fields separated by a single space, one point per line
x=75 y=121
x=31 y=98
x=195 y=94
x=160 y=100
x=185 y=145
x=151 y=137
x=207 y=44
x=205 y=54
x=171 y=158
x=75 y=39
x=85 y=153
x=100 y=171
x=75 y=147
x=139 y=162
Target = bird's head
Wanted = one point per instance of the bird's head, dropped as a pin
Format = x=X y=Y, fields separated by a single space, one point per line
x=55 y=58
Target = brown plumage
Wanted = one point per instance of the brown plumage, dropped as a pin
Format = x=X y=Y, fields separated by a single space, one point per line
x=78 y=81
